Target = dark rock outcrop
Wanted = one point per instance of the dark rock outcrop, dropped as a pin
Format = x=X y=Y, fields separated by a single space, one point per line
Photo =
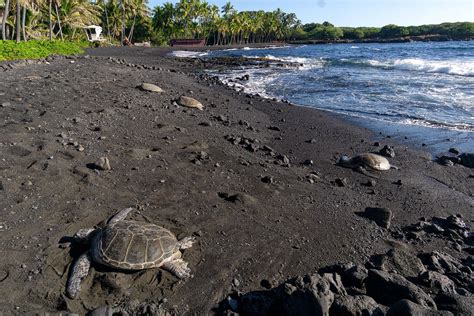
x=388 y=288
x=381 y=216
x=408 y=308
x=458 y=304
x=356 y=305
x=467 y=160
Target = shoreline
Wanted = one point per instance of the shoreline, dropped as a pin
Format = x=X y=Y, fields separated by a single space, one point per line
x=178 y=166
x=435 y=139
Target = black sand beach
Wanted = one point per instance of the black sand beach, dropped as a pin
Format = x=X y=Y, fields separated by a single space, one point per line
x=233 y=175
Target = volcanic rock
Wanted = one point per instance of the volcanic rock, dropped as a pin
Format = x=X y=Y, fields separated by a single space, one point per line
x=101 y=164
x=381 y=216
x=387 y=151
x=405 y=263
x=467 y=160
x=356 y=305
x=458 y=304
x=438 y=281
x=408 y=308
x=388 y=288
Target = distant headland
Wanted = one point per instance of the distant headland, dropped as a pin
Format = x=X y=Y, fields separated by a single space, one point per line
x=316 y=33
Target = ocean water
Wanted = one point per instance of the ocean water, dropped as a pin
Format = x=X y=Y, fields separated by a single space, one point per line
x=423 y=92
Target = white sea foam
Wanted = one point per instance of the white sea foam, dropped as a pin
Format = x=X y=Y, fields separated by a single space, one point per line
x=259 y=80
x=264 y=48
x=188 y=54
x=461 y=68
x=438 y=124
x=307 y=63
x=377 y=63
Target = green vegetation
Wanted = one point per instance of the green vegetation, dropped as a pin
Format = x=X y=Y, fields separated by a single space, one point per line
x=25 y=20
x=327 y=31
x=64 y=19
x=10 y=50
x=198 y=19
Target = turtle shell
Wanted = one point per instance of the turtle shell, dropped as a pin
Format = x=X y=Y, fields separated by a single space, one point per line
x=190 y=102
x=132 y=245
x=373 y=161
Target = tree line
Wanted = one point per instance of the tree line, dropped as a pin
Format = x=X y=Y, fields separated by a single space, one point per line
x=222 y=26
x=64 y=19
x=327 y=31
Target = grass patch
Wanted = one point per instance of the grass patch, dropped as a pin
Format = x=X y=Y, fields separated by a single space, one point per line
x=11 y=50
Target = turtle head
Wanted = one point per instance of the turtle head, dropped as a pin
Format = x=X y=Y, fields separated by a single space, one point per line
x=343 y=161
x=83 y=235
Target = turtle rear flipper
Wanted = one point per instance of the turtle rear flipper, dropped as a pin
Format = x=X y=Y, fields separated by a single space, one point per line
x=79 y=271
x=366 y=173
x=178 y=267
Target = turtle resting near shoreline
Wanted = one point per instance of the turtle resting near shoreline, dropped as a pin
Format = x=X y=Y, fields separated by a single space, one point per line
x=190 y=103
x=364 y=162
x=128 y=245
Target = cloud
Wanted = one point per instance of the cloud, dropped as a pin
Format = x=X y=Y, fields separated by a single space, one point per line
x=321 y=3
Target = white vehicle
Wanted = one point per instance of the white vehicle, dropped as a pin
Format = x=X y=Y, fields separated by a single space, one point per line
x=93 y=33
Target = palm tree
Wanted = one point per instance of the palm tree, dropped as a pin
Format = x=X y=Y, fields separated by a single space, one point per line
x=58 y=17
x=214 y=20
x=228 y=13
x=103 y=4
x=115 y=17
x=18 y=21
x=4 y=20
x=164 y=19
x=50 y=4
x=199 y=19
x=76 y=14
x=138 y=8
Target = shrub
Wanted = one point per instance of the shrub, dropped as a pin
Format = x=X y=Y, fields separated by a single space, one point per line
x=10 y=50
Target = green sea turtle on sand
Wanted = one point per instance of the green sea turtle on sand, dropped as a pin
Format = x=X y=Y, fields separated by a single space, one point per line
x=190 y=103
x=150 y=87
x=128 y=245
x=365 y=162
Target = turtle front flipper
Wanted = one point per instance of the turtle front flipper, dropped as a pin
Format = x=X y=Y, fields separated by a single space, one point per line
x=119 y=216
x=79 y=271
x=186 y=242
x=366 y=173
x=178 y=267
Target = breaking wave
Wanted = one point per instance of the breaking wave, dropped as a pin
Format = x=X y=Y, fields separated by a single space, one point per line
x=405 y=84
x=459 y=68
x=447 y=67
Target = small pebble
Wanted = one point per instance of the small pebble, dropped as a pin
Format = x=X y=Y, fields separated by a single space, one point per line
x=235 y=282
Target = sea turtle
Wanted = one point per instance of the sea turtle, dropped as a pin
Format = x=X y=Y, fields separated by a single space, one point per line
x=150 y=87
x=128 y=245
x=366 y=161
x=190 y=103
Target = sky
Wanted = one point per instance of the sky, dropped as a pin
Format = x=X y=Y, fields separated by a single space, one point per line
x=362 y=12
